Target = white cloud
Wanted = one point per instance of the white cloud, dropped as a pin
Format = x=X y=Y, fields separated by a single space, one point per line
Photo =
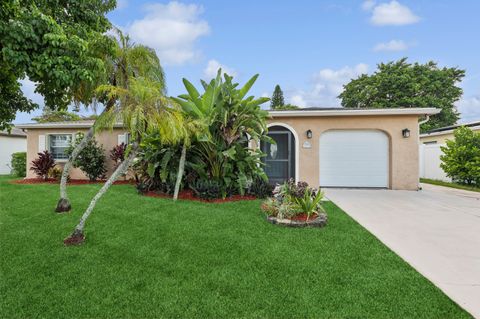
x=298 y=100
x=212 y=67
x=368 y=5
x=393 y=45
x=327 y=84
x=469 y=108
x=172 y=30
x=392 y=13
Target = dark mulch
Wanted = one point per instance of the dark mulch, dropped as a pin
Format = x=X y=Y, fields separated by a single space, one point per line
x=303 y=217
x=70 y=182
x=189 y=195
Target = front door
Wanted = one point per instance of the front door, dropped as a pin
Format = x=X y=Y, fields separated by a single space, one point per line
x=280 y=157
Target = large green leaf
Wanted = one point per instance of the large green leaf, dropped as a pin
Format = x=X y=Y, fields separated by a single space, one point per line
x=244 y=90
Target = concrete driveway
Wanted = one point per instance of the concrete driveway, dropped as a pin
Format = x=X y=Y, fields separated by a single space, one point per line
x=436 y=230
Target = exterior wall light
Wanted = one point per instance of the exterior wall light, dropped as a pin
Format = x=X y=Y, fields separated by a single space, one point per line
x=406 y=133
x=309 y=134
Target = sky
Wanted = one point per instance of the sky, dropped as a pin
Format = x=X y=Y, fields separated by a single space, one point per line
x=310 y=48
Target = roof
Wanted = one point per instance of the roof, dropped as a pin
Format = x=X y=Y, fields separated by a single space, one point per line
x=353 y=112
x=449 y=129
x=65 y=124
x=15 y=132
x=280 y=113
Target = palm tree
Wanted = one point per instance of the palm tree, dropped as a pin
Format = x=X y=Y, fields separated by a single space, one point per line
x=127 y=60
x=143 y=108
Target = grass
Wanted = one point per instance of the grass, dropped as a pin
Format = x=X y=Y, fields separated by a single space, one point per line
x=150 y=257
x=448 y=184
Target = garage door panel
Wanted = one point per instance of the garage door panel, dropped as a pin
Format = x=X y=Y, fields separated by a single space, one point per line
x=354 y=158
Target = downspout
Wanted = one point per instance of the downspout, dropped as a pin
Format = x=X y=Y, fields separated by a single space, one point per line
x=427 y=118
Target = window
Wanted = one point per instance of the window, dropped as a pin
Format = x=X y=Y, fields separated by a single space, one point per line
x=57 y=144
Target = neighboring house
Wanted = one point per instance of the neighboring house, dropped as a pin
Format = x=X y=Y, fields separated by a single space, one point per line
x=13 y=142
x=440 y=135
x=325 y=147
x=430 y=150
x=56 y=137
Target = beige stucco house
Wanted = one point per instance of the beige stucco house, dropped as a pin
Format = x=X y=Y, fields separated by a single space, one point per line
x=337 y=147
x=56 y=137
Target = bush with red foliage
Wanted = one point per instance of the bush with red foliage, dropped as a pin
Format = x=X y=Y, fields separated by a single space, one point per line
x=117 y=154
x=43 y=164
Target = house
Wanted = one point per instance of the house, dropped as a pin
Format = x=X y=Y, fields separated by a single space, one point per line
x=56 y=137
x=430 y=150
x=440 y=135
x=11 y=142
x=334 y=147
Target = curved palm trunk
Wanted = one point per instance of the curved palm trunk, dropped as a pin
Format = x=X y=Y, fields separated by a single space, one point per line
x=77 y=236
x=63 y=204
x=181 y=168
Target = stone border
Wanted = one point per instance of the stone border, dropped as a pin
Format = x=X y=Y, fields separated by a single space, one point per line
x=320 y=221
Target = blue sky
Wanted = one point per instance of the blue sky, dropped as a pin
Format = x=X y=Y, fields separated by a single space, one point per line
x=310 y=48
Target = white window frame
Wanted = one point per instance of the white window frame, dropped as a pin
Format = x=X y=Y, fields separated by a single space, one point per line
x=59 y=160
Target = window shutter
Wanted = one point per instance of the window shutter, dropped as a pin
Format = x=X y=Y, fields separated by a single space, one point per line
x=122 y=139
x=42 y=143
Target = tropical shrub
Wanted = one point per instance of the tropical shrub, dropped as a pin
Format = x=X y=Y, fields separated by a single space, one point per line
x=117 y=153
x=291 y=199
x=43 y=164
x=309 y=203
x=91 y=160
x=55 y=173
x=461 y=157
x=157 y=166
x=222 y=153
x=260 y=188
x=207 y=189
x=19 y=164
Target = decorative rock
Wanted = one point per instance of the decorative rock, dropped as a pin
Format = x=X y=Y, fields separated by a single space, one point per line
x=320 y=221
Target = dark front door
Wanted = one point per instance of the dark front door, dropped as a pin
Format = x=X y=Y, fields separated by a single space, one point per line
x=280 y=157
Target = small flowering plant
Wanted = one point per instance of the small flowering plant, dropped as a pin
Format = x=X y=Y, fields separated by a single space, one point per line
x=293 y=199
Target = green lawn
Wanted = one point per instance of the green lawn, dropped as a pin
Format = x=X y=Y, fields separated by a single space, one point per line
x=150 y=257
x=447 y=184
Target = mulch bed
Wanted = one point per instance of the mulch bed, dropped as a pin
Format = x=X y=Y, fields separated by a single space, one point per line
x=189 y=195
x=70 y=182
x=304 y=217
x=319 y=220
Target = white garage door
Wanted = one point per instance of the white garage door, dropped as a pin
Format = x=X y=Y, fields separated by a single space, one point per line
x=354 y=158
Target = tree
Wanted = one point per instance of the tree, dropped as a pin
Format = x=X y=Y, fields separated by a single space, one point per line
x=127 y=60
x=461 y=156
x=57 y=45
x=143 y=109
x=277 y=98
x=286 y=107
x=49 y=115
x=403 y=85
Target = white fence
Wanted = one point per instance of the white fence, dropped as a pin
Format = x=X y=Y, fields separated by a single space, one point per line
x=429 y=156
